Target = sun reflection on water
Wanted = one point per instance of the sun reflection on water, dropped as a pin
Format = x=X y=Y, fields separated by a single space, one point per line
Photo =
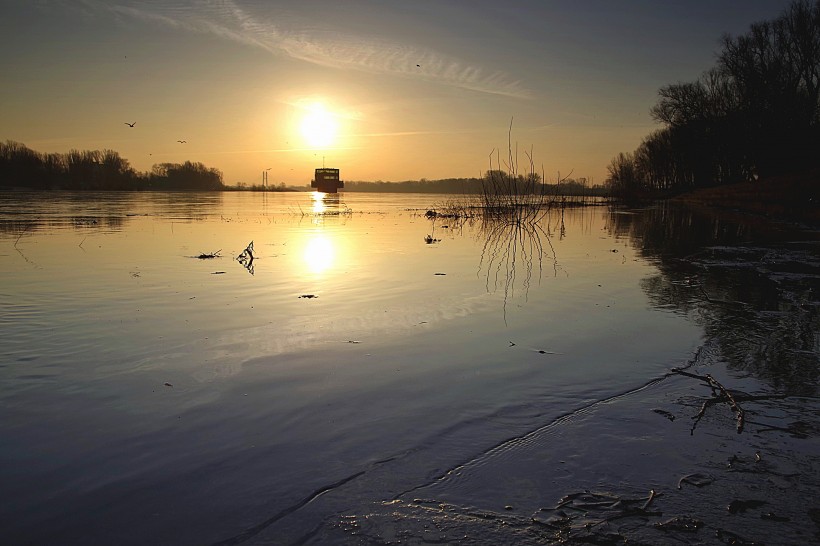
x=325 y=203
x=322 y=244
x=319 y=254
x=318 y=202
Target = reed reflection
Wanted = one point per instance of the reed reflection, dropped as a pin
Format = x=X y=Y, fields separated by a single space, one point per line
x=516 y=245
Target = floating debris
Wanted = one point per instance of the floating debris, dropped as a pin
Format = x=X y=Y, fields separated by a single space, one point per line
x=218 y=273
x=727 y=537
x=697 y=479
x=430 y=240
x=652 y=495
x=246 y=254
x=440 y=273
x=720 y=394
x=246 y=258
x=209 y=256
x=681 y=523
x=169 y=385
x=740 y=506
x=774 y=517
x=308 y=296
x=590 y=510
x=665 y=414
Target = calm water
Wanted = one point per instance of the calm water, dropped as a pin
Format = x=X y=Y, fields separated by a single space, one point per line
x=151 y=395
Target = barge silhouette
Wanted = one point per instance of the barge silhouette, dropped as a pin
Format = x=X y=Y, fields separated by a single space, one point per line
x=326 y=180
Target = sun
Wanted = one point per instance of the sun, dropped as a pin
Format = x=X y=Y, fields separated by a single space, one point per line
x=319 y=127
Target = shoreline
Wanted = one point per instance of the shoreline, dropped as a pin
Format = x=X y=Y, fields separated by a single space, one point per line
x=790 y=198
x=648 y=467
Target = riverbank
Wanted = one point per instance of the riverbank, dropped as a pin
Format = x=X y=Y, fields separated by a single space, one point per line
x=793 y=198
x=663 y=464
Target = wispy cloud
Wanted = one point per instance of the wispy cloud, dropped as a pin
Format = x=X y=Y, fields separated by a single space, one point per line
x=227 y=20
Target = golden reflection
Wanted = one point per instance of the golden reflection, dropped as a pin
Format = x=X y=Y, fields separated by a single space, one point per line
x=325 y=204
x=319 y=254
x=319 y=206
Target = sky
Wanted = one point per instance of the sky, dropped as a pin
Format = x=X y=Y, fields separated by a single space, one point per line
x=381 y=89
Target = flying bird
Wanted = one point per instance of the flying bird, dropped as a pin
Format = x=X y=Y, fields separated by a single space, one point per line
x=130 y=124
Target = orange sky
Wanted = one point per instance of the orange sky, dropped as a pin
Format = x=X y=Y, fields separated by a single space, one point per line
x=396 y=90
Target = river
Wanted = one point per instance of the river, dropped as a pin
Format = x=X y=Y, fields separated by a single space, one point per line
x=297 y=368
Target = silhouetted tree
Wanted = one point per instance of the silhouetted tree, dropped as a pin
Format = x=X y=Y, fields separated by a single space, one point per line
x=775 y=68
x=21 y=167
x=624 y=180
x=185 y=176
x=756 y=112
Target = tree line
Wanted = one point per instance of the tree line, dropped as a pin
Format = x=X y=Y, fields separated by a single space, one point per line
x=520 y=184
x=22 y=167
x=755 y=114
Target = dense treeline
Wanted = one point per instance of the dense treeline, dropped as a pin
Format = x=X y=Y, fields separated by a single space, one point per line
x=446 y=185
x=755 y=114
x=22 y=167
x=469 y=186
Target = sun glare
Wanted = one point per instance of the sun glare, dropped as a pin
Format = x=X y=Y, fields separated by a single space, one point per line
x=319 y=254
x=319 y=127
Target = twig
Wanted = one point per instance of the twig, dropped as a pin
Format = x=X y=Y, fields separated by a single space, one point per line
x=21 y=235
x=732 y=402
x=726 y=395
x=652 y=496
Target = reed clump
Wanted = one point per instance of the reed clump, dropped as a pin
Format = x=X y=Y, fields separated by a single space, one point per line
x=515 y=191
x=512 y=191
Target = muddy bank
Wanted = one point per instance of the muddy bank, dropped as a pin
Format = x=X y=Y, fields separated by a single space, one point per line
x=791 y=198
x=633 y=469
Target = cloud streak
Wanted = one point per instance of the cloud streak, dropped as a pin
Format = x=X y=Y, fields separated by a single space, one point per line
x=227 y=20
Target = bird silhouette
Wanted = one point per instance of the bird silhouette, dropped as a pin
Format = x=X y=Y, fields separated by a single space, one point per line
x=130 y=124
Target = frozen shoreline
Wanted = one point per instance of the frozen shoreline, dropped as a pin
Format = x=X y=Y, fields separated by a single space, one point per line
x=631 y=468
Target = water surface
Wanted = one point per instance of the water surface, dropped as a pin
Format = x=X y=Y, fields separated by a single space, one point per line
x=157 y=389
